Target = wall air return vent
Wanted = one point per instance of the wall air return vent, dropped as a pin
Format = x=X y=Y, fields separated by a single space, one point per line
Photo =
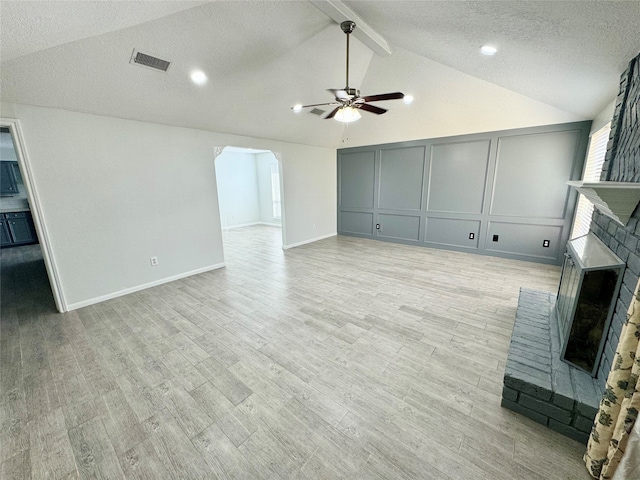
x=145 y=60
x=316 y=111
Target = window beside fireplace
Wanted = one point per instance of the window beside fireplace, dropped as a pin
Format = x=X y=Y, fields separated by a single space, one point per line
x=592 y=170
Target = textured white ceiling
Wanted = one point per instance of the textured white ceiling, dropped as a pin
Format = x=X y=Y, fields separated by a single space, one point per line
x=568 y=54
x=558 y=62
x=29 y=26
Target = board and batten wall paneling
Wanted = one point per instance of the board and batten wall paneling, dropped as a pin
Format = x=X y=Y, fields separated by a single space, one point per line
x=525 y=240
x=356 y=184
x=495 y=193
x=459 y=168
x=401 y=178
x=357 y=173
x=448 y=232
x=358 y=223
x=531 y=172
x=399 y=227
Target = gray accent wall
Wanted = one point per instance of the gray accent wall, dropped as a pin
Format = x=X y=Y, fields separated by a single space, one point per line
x=497 y=193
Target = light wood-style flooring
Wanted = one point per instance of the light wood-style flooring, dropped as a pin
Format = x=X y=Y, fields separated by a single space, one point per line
x=345 y=358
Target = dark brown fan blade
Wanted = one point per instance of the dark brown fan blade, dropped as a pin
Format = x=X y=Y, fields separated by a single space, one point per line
x=384 y=96
x=372 y=109
x=332 y=113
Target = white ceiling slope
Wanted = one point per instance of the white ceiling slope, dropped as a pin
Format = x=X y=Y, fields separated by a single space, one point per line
x=568 y=54
x=30 y=26
x=558 y=61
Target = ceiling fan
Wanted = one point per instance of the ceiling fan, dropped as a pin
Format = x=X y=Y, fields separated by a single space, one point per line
x=348 y=100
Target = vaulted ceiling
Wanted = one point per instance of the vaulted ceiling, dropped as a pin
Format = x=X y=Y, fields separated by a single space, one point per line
x=557 y=61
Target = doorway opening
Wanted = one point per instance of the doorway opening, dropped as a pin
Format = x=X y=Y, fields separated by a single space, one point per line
x=250 y=193
x=27 y=270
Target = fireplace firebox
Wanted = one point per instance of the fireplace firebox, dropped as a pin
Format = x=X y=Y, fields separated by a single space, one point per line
x=589 y=286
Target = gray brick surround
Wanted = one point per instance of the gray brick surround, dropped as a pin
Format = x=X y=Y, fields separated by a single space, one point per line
x=622 y=164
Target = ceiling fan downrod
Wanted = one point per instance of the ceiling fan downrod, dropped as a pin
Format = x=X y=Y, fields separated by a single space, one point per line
x=347 y=27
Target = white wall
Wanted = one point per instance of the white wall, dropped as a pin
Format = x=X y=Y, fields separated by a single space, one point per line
x=114 y=192
x=604 y=117
x=263 y=171
x=237 y=182
x=315 y=180
x=447 y=102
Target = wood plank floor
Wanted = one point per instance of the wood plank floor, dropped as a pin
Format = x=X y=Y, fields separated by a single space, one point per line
x=345 y=358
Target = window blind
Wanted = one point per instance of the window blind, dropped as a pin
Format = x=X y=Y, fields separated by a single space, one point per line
x=592 y=170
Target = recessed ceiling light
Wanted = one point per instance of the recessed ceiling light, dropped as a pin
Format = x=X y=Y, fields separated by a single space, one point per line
x=297 y=108
x=408 y=99
x=198 y=77
x=488 y=50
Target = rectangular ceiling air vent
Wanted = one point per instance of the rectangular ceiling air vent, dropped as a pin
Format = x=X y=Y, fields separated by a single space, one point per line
x=149 y=61
x=316 y=111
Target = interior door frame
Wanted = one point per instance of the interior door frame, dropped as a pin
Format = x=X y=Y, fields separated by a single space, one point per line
x=218 y=150
x=36 y=210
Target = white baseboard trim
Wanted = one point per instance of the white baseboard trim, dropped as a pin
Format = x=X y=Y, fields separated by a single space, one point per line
x=231 y=227
x=252 y=225
x=311 y=240
x=137 y=288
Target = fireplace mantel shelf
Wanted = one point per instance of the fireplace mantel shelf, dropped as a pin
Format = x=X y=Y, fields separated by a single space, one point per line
x=616 y=200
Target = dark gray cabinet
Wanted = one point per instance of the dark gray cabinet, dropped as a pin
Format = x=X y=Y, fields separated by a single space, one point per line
x=5 y=236
x=8 y=180
x=17 y=229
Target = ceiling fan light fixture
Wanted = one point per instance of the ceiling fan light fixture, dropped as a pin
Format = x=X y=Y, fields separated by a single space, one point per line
x=297 y=108
x=407 y=99
x=198 y=77
x=488 y=50
x=347 y=115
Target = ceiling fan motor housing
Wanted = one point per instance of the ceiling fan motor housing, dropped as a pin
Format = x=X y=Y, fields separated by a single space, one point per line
x=352 y=92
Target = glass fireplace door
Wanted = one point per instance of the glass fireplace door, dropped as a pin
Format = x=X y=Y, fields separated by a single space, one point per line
x=589 y=287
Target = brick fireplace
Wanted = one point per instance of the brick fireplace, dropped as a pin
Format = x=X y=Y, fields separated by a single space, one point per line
x=622 y=164
x=536 y=383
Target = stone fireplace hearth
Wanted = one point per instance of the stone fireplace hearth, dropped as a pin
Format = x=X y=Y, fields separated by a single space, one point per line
x=537 y=383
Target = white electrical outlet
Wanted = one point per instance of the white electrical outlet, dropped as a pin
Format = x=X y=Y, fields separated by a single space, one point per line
x=154 y=261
